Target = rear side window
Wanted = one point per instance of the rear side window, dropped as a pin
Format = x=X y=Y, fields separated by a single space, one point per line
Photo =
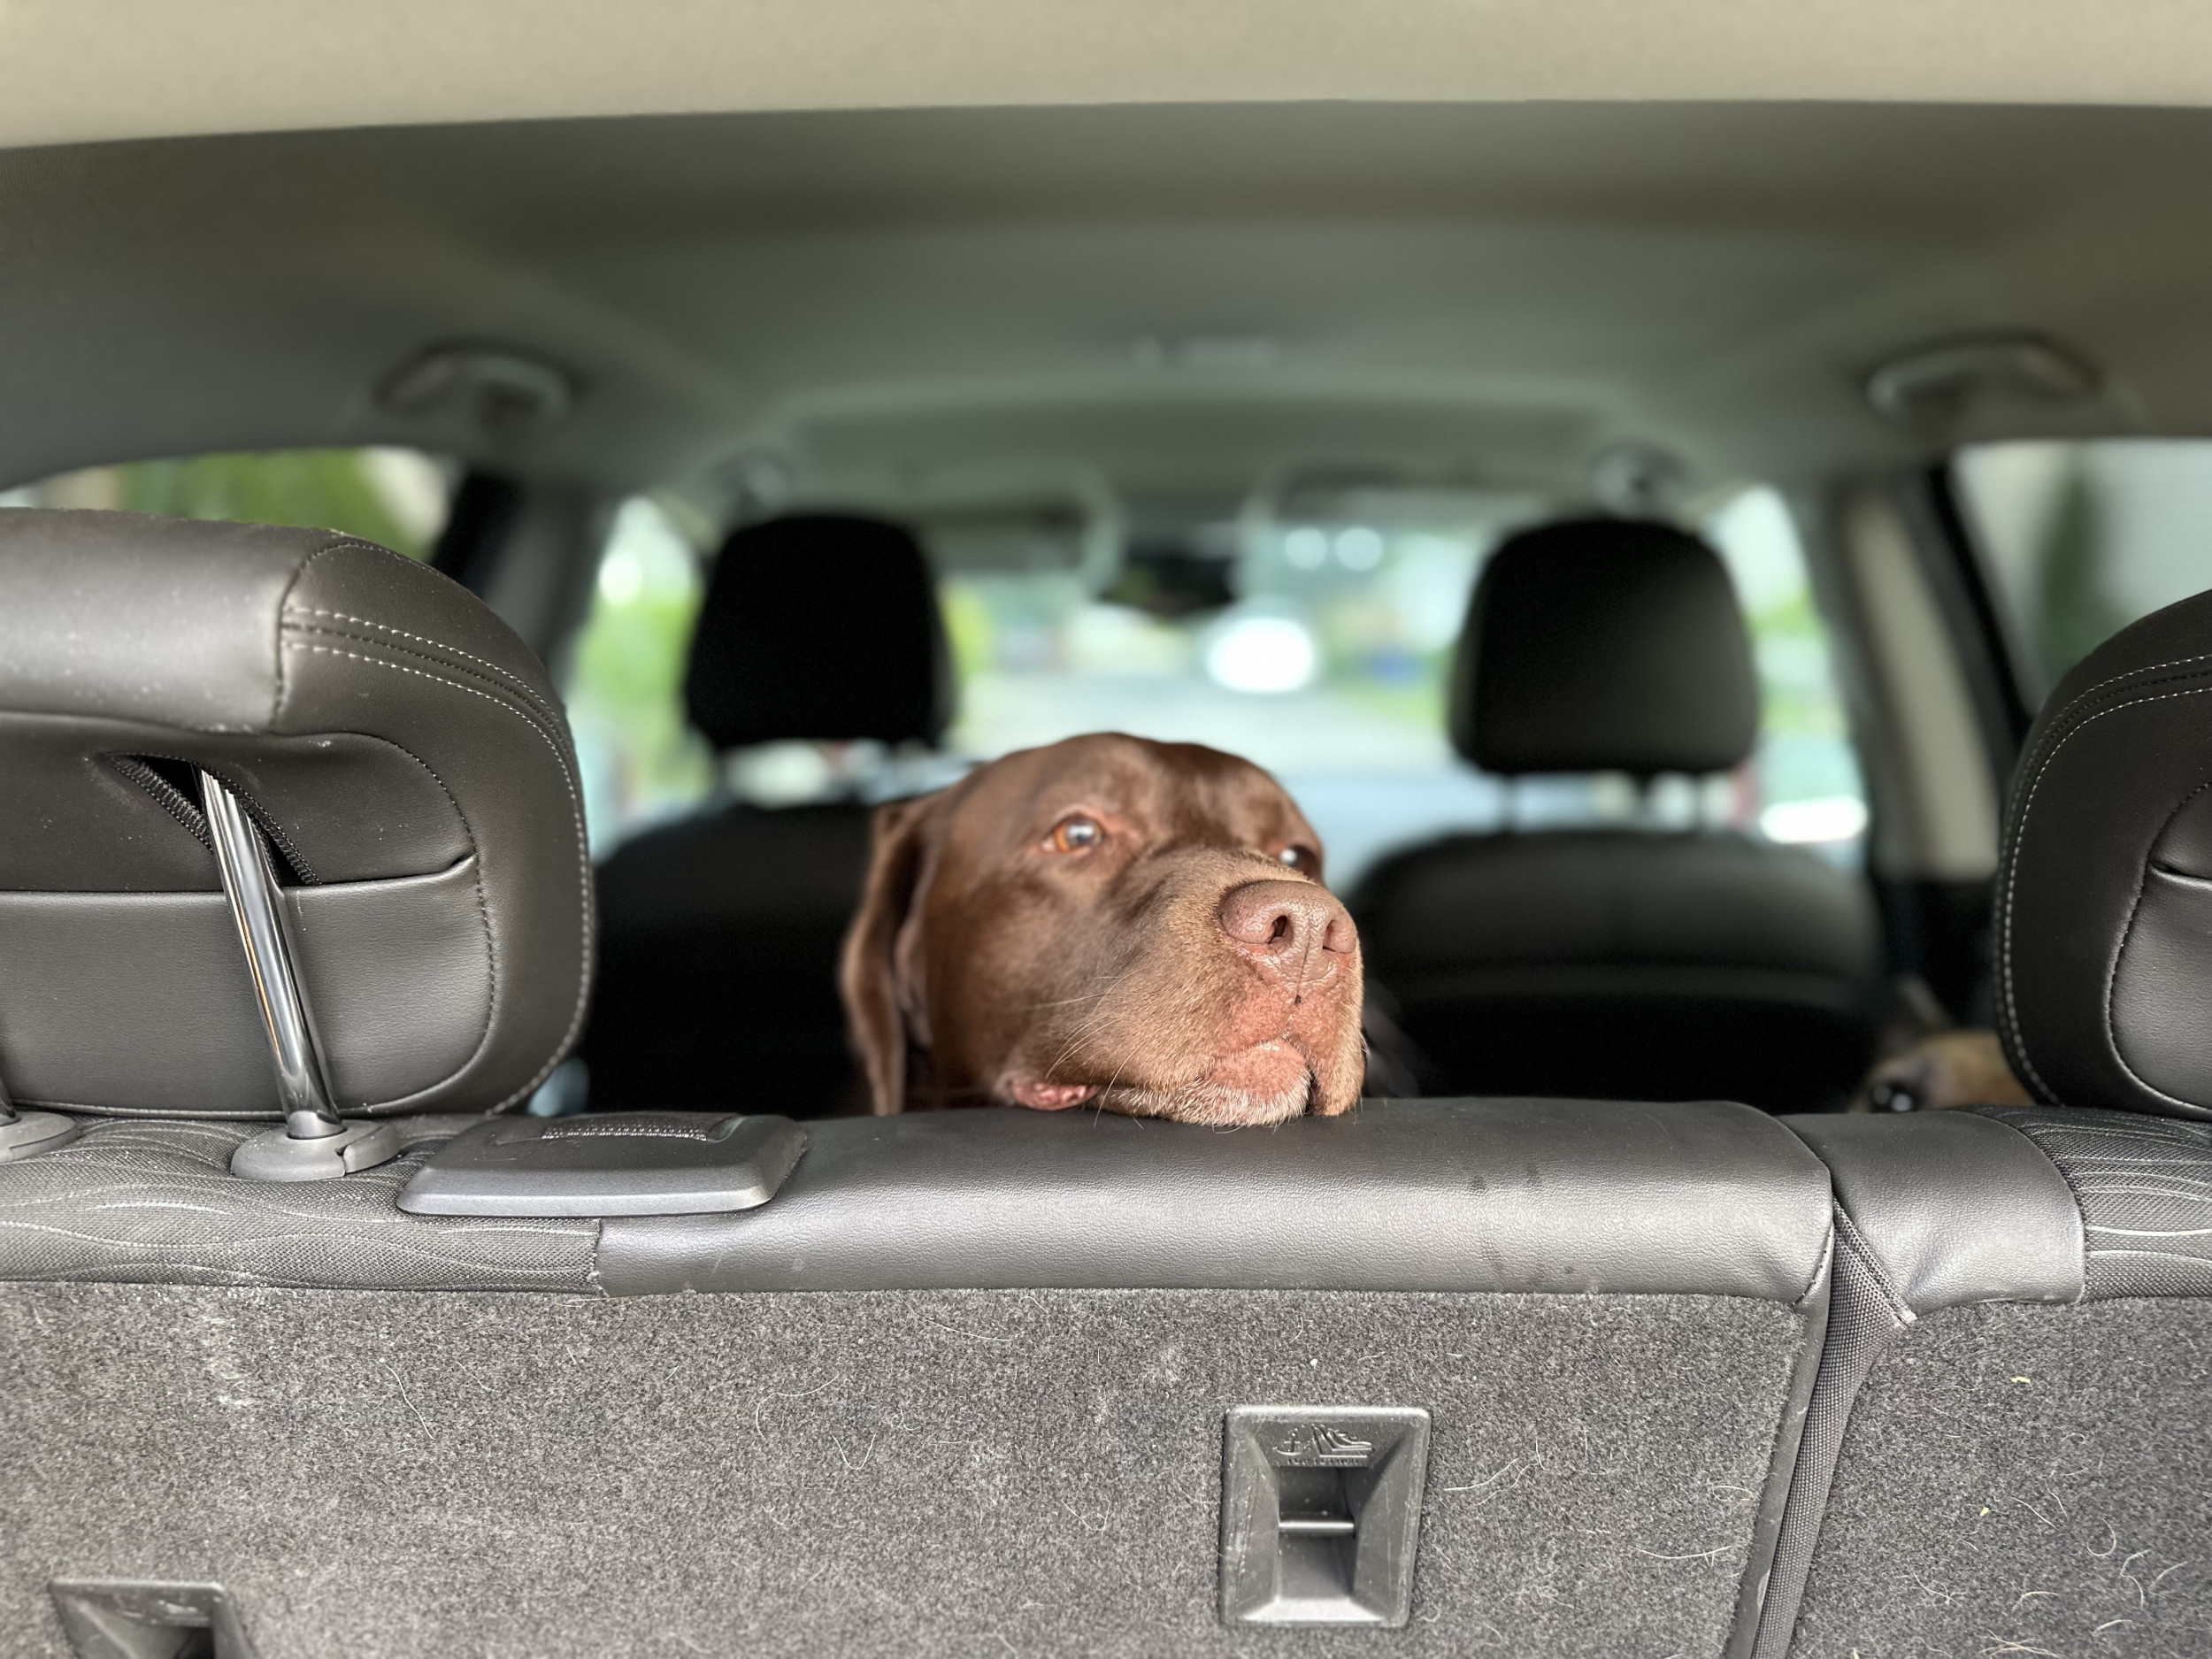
x=642 y=760
x=397 y=498
x=2079 y=538
x=1803 y=784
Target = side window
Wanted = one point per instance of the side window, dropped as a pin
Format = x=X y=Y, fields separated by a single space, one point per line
x=396 y=498
x=1803 y=784
x=641 y=761
x=2080 y=538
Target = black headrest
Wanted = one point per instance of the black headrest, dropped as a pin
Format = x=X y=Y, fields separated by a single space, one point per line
x=2104 y=891
x=404 y=751
x=819 y=625
x=1604 y=645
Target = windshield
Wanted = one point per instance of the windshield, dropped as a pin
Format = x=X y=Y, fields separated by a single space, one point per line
x=1319 y=648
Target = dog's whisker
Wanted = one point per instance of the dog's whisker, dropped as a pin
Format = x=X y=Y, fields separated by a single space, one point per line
x=1089 y=1023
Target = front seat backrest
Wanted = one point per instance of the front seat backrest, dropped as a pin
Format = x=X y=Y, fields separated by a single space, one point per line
x=400 y=746
x=1604 y=645
x=821 y=626
x=1625 y=963
x=718 y=965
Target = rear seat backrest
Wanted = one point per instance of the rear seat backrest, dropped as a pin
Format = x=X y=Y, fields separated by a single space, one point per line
x=401 y=748
x=962 y=1386
x=2023 y=1294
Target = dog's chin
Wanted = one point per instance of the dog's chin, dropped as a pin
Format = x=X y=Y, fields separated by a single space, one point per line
x=1262 y=1085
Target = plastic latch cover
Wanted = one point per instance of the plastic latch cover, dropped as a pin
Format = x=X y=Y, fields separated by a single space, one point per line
x=628 y=1163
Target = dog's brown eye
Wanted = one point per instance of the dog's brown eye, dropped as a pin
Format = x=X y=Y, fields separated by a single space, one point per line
x=1302 y=859
x=1075 y=834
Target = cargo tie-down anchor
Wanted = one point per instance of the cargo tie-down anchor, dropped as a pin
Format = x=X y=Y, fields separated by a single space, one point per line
x=1321 y=1513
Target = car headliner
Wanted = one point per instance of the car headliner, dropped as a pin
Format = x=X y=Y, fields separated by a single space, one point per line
x=74 y=69
x=925 y=309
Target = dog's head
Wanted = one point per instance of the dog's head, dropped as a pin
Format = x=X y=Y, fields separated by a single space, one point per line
x=1110 y=921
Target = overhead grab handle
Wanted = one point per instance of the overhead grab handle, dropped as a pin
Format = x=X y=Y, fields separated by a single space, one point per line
x=314 y=1143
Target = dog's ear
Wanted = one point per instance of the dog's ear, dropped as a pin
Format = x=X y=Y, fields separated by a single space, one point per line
x=867 y=971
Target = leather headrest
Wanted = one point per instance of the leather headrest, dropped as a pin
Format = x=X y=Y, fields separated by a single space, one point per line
x=1604 y=645
x=2104 y=890
x=820 y=626
x=403 y=750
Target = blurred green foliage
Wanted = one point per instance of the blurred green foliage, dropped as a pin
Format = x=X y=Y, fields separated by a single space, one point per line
x=625 y=685
x=324 y=489
x=2073 y=613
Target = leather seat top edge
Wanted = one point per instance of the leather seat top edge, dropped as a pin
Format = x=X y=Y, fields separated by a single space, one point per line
x=1559 y=1197
x=1957 y=1208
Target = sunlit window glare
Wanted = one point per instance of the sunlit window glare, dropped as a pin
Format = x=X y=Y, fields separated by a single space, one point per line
x=1836 y=818
x=621 y=577
x=1262 y=654
x=1359 y=548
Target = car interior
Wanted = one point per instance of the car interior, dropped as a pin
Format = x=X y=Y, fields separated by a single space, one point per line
x=1717 y=538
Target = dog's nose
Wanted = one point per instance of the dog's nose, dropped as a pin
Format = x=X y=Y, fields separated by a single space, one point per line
x=1281 y=924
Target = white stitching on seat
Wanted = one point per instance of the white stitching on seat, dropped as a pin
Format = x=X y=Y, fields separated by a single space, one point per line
x=2012 y=870
x=513 y=680
x=576 y=813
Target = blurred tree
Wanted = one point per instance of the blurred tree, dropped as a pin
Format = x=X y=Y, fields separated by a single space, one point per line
x=324 y=489
x=2074 y=615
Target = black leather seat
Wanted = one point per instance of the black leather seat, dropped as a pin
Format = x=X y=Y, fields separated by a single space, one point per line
x=1628 y=965
x=403 y=749
x=719 y=933
x=2005 y=1450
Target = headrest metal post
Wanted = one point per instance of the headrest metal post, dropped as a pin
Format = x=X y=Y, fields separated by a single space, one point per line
x=315 y=1143
x=23 y=1134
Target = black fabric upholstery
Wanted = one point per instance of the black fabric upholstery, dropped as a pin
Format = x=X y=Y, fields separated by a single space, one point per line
x=2144 y=1193
x=1865 y=1314
x=820 y=626
x=942 y=1474
x=1604 y=645
x=155 y=1202
x=1934 y=1211
x=2025 y=1480
x=718 y=979
x=406 y=753
x=2104 y=889
x=1626 y=965
x=2012 y=1478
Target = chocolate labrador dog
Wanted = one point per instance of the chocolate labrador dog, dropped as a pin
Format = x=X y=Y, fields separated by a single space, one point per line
x=1108 y=922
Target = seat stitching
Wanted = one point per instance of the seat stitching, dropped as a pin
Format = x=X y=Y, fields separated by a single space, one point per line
x=1850 y=1237
x=514 y=679
x=2119 y=950
x=2086 y=692
x=583 y=990
x=2012 y=877
x=421 y=656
